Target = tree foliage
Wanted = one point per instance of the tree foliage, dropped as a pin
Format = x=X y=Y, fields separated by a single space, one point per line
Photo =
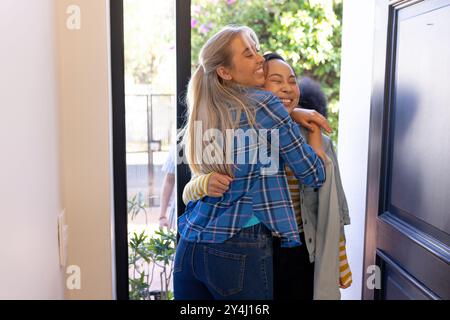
x=149 y=40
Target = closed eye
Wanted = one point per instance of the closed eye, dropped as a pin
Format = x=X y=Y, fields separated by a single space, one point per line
x=248 y=53
x=275 y=77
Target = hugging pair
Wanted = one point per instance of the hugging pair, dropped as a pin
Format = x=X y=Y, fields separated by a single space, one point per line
x=247 y=235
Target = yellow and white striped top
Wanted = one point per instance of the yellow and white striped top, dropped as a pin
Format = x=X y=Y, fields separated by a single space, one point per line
x=294 y=190
x=345 y=274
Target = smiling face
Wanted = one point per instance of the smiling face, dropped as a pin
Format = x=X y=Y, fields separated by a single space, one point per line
x=280 y=79
x=246 y=63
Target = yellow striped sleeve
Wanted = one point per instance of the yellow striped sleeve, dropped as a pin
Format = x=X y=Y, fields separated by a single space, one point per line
x=345 y=274
x=294 y=190
x=197 y=188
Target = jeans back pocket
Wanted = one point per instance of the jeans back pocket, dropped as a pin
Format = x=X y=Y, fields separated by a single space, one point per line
x=224 y=271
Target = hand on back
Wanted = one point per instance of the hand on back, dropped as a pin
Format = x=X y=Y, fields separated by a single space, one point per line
x=218 y=184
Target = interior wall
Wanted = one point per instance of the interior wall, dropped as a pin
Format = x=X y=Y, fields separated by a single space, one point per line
x=30 y=198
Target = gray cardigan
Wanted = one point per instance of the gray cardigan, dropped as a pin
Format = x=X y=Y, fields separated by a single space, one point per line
x=324 y=213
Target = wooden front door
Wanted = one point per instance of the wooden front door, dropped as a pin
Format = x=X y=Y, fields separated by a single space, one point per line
x=408 y=194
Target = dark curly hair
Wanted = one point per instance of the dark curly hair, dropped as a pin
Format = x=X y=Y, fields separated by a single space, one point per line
x=312 y=97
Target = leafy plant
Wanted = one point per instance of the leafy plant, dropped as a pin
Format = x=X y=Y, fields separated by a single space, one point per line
x=162 y=251
x=138 y=287
x=146 y=253
x=136 y=205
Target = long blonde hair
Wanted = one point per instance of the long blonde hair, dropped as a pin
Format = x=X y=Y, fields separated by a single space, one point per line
x=218 y=104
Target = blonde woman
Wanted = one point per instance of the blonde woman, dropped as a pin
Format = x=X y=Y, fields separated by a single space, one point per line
x=225 y=248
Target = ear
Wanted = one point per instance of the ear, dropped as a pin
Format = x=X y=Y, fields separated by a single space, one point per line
x=224 y=73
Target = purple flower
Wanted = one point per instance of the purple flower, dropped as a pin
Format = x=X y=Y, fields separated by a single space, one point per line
x=230 y=2
x=203 y=29
x=193 y=23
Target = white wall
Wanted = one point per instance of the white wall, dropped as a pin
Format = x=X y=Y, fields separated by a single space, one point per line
x=356 y=81
x=29 y=170
x=55 y=142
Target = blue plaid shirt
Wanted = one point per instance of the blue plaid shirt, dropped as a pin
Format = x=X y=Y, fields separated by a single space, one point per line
x=251 y=193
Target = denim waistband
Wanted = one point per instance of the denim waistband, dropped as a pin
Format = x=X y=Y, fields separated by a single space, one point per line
x=256 y=231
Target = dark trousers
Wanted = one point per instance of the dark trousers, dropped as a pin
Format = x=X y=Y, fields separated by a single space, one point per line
x=293 y=273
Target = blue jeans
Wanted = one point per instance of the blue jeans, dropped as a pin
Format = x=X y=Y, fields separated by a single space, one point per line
x=240 y=268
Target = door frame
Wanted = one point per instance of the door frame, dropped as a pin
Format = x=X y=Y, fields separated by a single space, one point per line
x=183 y=73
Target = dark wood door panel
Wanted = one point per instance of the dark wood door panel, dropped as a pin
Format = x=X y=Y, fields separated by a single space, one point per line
x=420 y=141
x=422 y=257
x=408 y=193
x=399 y=284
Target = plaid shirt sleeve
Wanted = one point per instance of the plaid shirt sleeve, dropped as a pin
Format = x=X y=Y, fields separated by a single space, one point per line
x=307 y=167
